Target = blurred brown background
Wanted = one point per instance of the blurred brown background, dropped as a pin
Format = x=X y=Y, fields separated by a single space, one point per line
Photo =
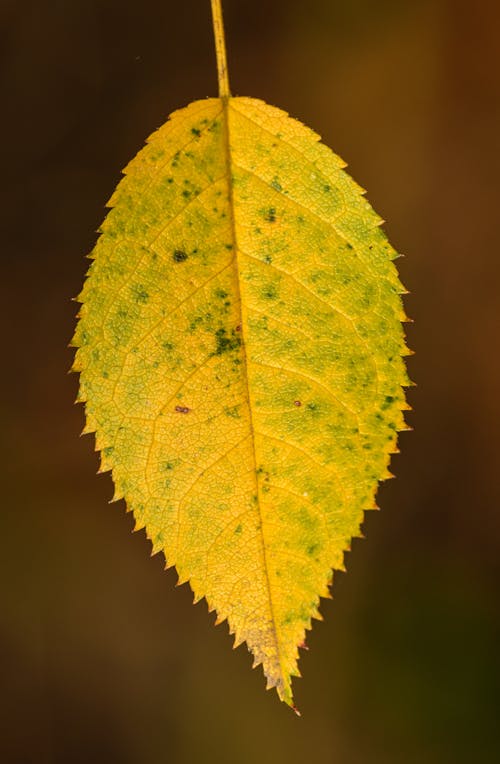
x=103 y=659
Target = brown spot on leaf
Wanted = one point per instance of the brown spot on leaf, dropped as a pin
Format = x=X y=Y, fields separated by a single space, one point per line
x=179 y=256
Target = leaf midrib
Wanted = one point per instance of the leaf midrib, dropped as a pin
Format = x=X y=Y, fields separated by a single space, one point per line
x=226 y=105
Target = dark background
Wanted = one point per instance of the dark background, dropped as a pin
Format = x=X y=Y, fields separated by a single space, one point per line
x=103 y=659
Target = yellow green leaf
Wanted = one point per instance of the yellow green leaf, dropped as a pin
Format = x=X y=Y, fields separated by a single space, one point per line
x=240 y=355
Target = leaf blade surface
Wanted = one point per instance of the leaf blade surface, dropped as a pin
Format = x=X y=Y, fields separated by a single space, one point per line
x=240 y=353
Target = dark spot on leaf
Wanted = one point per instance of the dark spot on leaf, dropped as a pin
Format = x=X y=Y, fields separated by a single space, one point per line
x=157 y=155
x=179 y=256
x=233 y=412
x=225 y=342
x=140 y=294
x=297 y=403
x=196 y=132
x=270 y=292
x=182 y=409
x=195 y=322
x=270 y=215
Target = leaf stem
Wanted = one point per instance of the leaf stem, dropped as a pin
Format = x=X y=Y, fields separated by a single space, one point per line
x=220 y=49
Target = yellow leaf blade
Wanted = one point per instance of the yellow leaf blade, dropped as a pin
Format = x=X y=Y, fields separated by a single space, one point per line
x=240 y=350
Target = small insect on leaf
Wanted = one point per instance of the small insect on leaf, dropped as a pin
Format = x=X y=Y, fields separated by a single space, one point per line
x=240 y=354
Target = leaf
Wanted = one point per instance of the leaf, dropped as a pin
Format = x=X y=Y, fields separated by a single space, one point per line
x=240 y=356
